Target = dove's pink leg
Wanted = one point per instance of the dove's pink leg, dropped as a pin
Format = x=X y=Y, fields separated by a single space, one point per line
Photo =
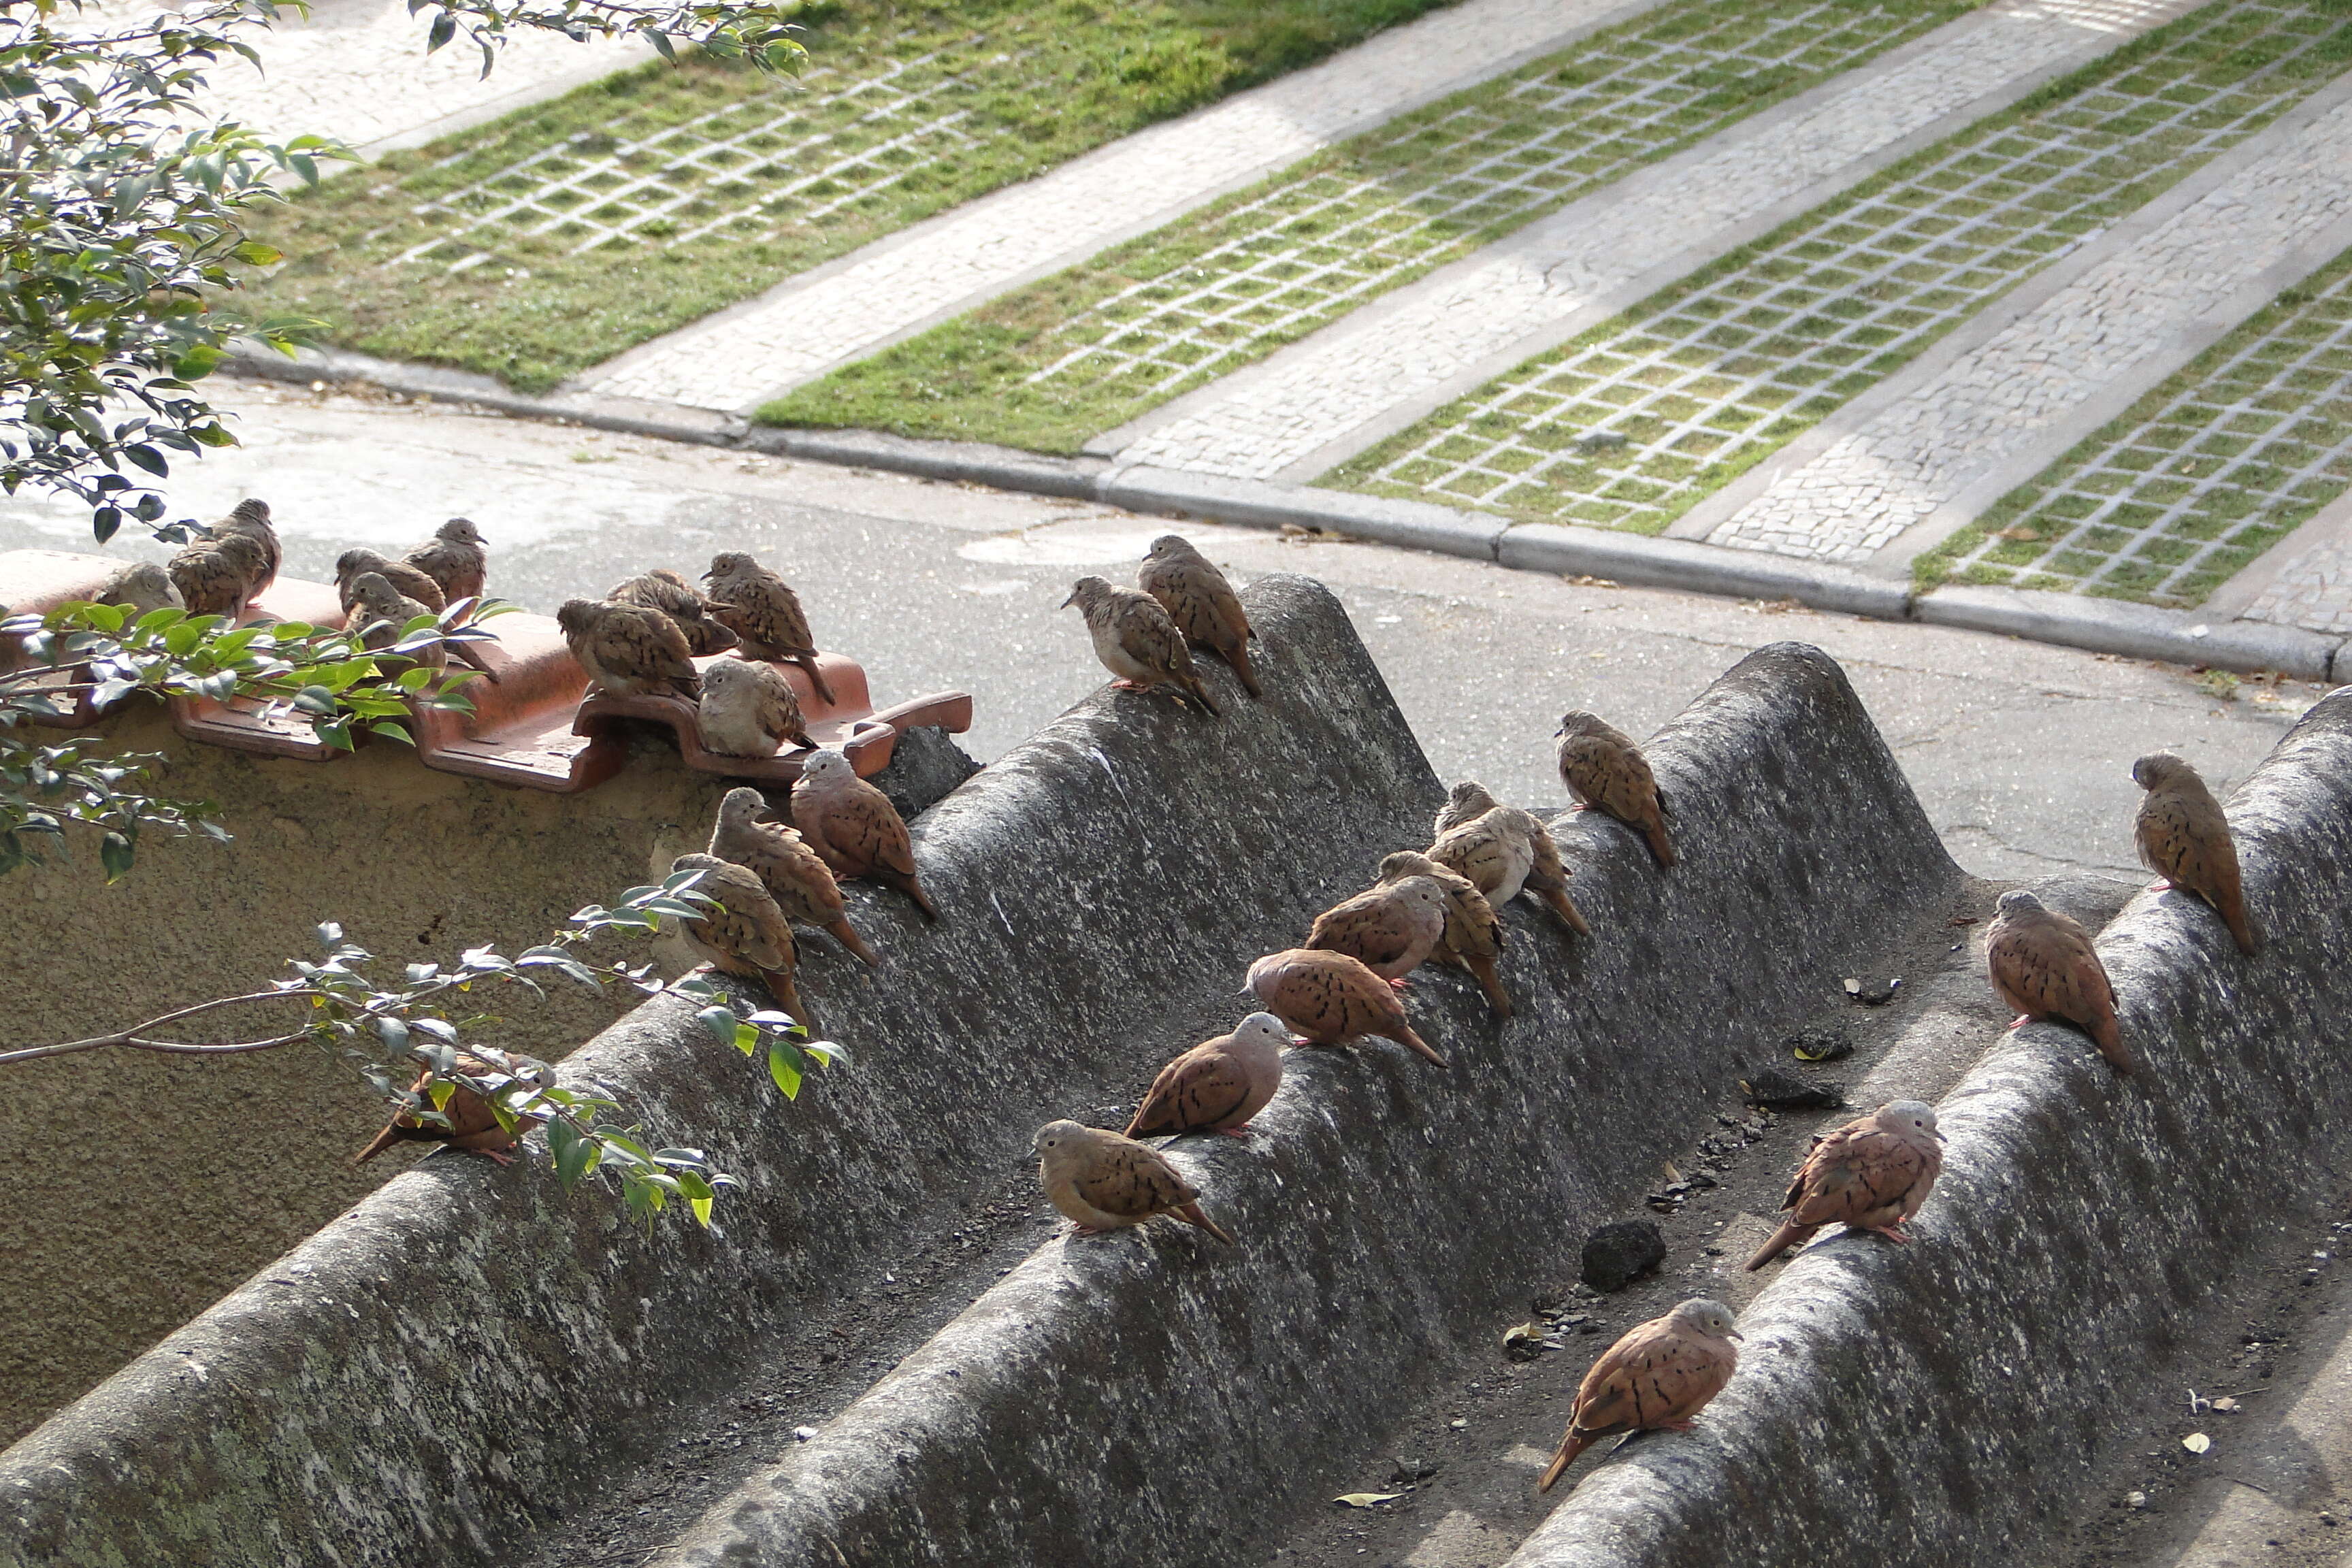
x=1401 y=984
x=1240 y=1132
x=2159 y=886
x=1077 y=1229
x=1124 y=685
x=503 y=1160
x=1893 y=1233
x=2020 y=1020
x=1684 y=1424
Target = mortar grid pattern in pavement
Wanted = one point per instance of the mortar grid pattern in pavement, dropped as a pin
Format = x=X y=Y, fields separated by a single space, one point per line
x=1637 y=421
x=2211 y=469
x=1333 y=236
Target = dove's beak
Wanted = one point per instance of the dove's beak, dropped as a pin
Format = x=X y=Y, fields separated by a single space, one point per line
x=1942 y=1138
x=1735 y=1334
x=1069 y=601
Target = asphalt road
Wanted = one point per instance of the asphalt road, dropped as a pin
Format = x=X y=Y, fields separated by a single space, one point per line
x=2021 y=751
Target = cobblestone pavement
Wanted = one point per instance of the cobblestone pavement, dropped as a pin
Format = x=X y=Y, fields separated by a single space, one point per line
x=744 y=356
x=1637 y=421
x=2312 y=590
x=2203 y=474
x=356 y=70
x=2107 y=328
x=1290 y=415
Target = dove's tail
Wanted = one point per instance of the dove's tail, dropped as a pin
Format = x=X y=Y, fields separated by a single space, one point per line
x=787 y=995
x=1193 y=1214
x=1655 y=830
x=1788 y=1236
x=913 y=890
x=807 y=662
x=2241 y=924
x=1490 y=981
x=1238 y=656
x=2108 y=1034
x=846 y=934
x=1572 y=1445
x=1198 y=690
x=1557 y=898
x=393 y=1133
x=1403 y=1034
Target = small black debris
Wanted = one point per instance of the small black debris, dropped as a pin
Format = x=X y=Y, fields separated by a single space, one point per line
x=1872 y=992
x=1617 y=1253
x=1409 y=1472
x=1777 y=1086
x=1827 y=1044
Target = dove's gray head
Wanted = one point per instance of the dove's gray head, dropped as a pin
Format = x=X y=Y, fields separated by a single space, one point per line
x=697 y=861
x=142 y=585
x=460 y=530
x=1261 y=1031
x=351 y=562
x=2159 y=768
x=1057 y=1134
x=1577 y=721
x=1086 y=593
x=1470 y=796
x=1424 y=891
x=378 y=596
x=1406 y=863
x=721 y=673
x=1171 y=547
x=729 y=563
x=579 y=616
x=250 y=513
x=1907 y=1116
x=826 y=767
x=1702 y=1316
x=743 y=803
x=2018 y=903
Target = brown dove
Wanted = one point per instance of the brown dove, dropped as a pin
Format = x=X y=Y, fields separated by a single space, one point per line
x=250 y=519
x=2185 y=838
x=1201 y=601
x=219 y=577
x=406 y=579
x=377 y=614
x=664 y=590
x=1661 y=1375
x=1135 y=641
x=629 y=650
x=794 y=875
x=756 y=605
x=473 y=1126
x=855 y=828
x=141 y=584
x=1104 y=1182
x=748 y=709
x=1491 y=851
x=1466 y=802
x=1218 y=1085
x=1474 y=932
x=2043 y=965
x=1872 y=1174
x=1392 y=927
x=1330 y=999
x=1606 y=772
x=454 y=557
x=746 y=934
x=1523 y=832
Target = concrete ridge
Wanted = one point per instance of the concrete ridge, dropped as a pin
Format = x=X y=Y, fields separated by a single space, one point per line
x=2102 y=626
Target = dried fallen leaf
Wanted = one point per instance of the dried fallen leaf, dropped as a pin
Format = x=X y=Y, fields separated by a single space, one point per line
x=2197 y=1442
x=2225 y=1404
x=2019 y=533
x=1365 y=1500
x=1523 y=1341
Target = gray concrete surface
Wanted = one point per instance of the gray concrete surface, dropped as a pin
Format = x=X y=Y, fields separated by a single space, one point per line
x=2019 y=751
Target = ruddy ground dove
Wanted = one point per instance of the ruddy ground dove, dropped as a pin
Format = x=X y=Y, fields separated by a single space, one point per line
x=376 y=614
x=1392 y=926
x=1135 y=641
x=1104 y=1182
x=141 y=586
x=744 y=933
x=1330 y=999
x=1872 y=1174
x=250 y=519
x=2184 y=838
x=796 y=876
x=456 y=557
x=629 y=650
x=219 y=577
x=1201 y=601
x=748 y=709
x=1218 y=1085
x=758 y=606
x=1606 y=772
x=854 y=826
x=472 y=1126
x=664 y=590
x=1660 y=1375
x=1474 y=932
x=408 y=580
x=2042 y=964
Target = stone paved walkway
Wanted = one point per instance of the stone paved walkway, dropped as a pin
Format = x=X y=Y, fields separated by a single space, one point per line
x=1337 y=392
x=742 y=357
x=2125 y=323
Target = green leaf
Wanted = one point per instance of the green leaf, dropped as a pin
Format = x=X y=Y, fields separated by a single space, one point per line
x=114 y=852
x=720 y=1022
x=785 y=1067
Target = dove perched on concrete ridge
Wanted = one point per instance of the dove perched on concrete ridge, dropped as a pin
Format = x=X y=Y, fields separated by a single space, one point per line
x=796 y=876
x=1547 y=876
x=1660 y=1375
x=1517 y=834
x=1392 y=927
x=1104 y=1182
x=756 y=605
x=748 y=709
x=1467 y=801
x=2185 y=838
x=2043 y=965
x=855 y=828
x=250 y=519
x=1135 y=641
x=1474 y=934
x=454 y=557
x=1491 y=851
x=141 y=584
x=406 y=579
x=219 y=577
x=1872 y=1174
x=1330 y=999
x=377 y=614
x=1218 y=1085
x=1201 y=601
x=746 y=934
x=628 y=649
x=473 y=1126
x=1606 y=772
x=664 y=590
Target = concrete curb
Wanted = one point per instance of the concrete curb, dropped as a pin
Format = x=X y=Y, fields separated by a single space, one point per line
x=2102 y=626
x=1951 y=1397
x=1155 y=1398
x=468 y=1352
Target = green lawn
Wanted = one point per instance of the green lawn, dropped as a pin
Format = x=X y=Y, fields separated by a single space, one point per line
x=556 y=237
x=1048 y=366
